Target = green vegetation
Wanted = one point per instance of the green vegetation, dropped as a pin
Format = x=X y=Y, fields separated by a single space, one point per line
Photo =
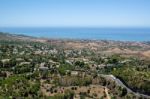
x=19 y=86
x=35 y=70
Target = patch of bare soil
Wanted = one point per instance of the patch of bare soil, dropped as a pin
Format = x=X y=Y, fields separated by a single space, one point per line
x=95 y=91
x=146 y=53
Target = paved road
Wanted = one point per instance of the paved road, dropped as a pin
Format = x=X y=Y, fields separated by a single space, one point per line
x=118 y=82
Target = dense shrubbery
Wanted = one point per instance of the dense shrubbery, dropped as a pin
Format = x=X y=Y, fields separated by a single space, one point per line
x=19 y=86
x=74 y=81
x=64 y=67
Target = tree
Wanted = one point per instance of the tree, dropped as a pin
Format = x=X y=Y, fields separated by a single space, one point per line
x=80 y=64
x=124 y=92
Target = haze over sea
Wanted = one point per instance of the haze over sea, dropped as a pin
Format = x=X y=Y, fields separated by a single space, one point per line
x=121 y=34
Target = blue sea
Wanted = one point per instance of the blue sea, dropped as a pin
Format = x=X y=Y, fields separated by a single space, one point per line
x=121 y=34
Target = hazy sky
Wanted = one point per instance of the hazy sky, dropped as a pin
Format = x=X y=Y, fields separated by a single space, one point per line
x=75 y=13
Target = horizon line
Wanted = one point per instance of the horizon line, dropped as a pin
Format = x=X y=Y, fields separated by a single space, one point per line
x=73 y=27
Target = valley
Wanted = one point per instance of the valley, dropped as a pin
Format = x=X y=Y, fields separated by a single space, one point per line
x=41 y=68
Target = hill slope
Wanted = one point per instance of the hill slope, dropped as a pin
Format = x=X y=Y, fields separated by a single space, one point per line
x=7 y=36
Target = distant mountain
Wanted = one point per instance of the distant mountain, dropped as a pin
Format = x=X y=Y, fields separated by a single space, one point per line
x=7 y=36
x=20 y=37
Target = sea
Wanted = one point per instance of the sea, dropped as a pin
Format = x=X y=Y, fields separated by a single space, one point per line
x=118 y=34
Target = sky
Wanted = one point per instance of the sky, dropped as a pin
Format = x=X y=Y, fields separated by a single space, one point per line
x=74 y=13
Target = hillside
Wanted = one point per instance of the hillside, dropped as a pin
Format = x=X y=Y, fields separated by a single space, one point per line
x=59 y=68
x=7 y=36
x=100 y=46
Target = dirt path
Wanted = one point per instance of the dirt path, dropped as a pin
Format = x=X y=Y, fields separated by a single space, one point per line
x=107 y=94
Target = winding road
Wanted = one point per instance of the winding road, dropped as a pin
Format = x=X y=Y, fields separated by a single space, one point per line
x=120 y=83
